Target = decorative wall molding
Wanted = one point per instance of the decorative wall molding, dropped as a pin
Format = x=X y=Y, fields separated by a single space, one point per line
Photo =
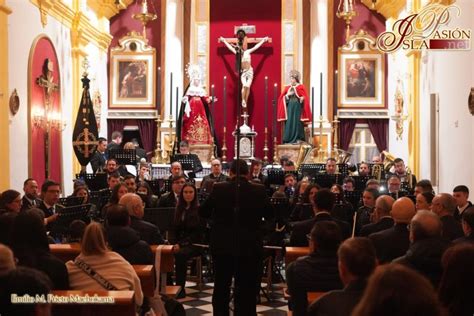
x=107 y=8
x=388 y=8
x=363 y=114
x=135 y=114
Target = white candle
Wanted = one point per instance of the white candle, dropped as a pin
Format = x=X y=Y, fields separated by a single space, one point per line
x=345 y=7
x=144 y=7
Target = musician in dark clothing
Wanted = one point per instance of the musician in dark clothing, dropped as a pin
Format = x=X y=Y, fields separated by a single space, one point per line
x=236 y=239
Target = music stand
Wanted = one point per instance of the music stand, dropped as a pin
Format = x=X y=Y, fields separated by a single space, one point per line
x=155 y=185
x=361 y=182
x=71 y=201
x=353 y=197
x=124 y=156
x=166 y=186
x=162 y=217
x=342 y=167
x=311 y=169
x=281 y=207
x=327 y=180
x=95 y=182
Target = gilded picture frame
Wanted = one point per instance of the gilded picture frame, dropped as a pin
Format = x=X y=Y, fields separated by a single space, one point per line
x=361 y=66
x=132 y=74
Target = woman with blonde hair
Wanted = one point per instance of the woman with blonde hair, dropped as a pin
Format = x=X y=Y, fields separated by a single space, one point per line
x=110 y=271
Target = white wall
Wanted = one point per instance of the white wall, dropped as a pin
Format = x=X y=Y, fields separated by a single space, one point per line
x=24 y=27
x=450 y=74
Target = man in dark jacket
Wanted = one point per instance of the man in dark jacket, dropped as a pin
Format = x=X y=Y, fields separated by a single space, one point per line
x=356 y=261
x=444 y=206
x=394 y=242
x=148 y=231
x=236 y=209
x=324 y=202
x=125 y=240
x=427 y=246
x=317 y=272
x=467 y=222
x=382 y=218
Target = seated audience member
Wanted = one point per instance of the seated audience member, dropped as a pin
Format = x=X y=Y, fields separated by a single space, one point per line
x=317 y=272
x=461 y=195
x=348 y=184
x=423 y=186
x=7 y=260
x=455 y=289
x=304 y=209
x=148 y=231
x=188 y=230
x=20 y=282
x=215 y=176
x=125 y=240
x=396 y=290
x=394 y=185
x=356 y=262
x=76 y=231
x=373 y=184
x=381 y=216
x=364 y=169
x=444 y=205
x=394 y=242
x=130 y=182
x=6 y=224
x=100 y=156
x=256 y=172
x=108 y=264
x=467 y=222
x=424 y=200
x=342 y=209
x=117 y=192
x=364 y=213
x=30 y=199
x=170 y=199
x=145 y=192
x=300 y=187
x=324 y=202
x=427 y=246
x=10 y=201
x=50 y=191
x=29 y=243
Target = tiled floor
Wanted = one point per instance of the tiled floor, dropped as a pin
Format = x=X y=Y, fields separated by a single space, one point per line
x=199 y=302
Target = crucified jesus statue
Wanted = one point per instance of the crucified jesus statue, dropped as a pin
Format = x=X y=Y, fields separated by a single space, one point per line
x=246 y=75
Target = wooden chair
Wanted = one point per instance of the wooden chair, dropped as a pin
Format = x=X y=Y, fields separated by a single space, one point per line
x=123 y=303
x=147 y=278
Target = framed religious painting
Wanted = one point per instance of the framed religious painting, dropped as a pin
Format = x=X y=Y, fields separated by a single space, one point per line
x=132 y=74
x=361 y=73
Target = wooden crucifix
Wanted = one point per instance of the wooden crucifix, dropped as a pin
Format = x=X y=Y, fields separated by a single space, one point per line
x=46 y=81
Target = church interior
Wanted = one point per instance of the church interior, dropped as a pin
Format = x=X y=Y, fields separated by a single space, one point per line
x=334 y=94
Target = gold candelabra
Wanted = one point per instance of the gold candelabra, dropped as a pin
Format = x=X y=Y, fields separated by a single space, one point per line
x=213 y=146
x=171 y=140
x=224 y=146
x=347 y=13
x=158 y=158
x=321 y=151
x=275 y=156
x=335 y=130
x=265 y=147
x=144 y=16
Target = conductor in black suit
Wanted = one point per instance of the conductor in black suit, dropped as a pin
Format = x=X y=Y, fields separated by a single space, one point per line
x=236 y=239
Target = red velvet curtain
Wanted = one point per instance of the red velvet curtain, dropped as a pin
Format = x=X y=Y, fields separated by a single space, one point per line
x=379 y=130
x=147 y=129
x=114 y=125
x=346 y=129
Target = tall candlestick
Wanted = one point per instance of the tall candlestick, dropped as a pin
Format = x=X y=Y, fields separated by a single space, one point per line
x=266 y=101
x=336 y=76
x=321 y=94
x=177 y=97
x=212 y=100
x=158 y=93
x=225 y=101
x=312 y=112
x=274 y=132
x=171 y=94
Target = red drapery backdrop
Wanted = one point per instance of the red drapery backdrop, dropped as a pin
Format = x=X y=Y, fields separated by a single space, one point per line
x=266 y=61
x=147 y=129
x=115 y=125
x=42 y=48
x=379 y=130
x=346 y=129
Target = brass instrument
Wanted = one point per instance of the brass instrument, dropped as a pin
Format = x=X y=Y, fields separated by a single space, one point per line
x=388 y=160
x=410 y=178
x=342 y=156
x=377 y=171
x=303 y=152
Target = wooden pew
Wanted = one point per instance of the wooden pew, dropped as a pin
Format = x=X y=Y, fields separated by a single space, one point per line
x=293 y=253
x=123 y=305
x=147 y=278
x=65 y=252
